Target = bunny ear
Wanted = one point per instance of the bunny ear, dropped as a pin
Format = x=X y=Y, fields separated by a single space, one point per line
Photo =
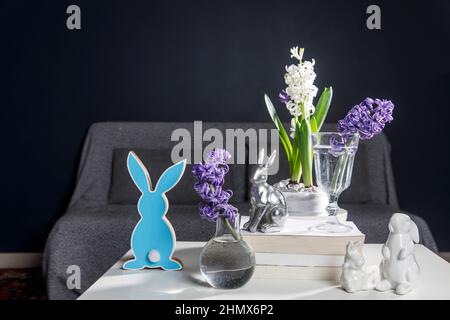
x=414 y=232
x=261 y=156
x=391 y=227
x=170 y=177
x=138 y=173
x=272 y=158
x=349 y=246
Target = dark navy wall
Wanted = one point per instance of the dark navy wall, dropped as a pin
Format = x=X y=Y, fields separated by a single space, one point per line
x=209 y=60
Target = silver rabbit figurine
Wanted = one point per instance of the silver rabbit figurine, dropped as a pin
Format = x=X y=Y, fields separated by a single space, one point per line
x=268 y=212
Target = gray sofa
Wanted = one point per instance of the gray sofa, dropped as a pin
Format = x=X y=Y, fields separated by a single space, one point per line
x=95 y=230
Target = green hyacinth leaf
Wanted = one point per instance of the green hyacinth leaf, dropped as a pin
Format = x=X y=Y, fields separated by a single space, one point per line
x=314 y=129
x=296 y=171
x=322 y=106
x=281 y=131
x=313 y=123
x=305 y=152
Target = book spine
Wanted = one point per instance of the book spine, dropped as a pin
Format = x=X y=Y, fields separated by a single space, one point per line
x=298 y=273
x=306 y=245
x=299 y=260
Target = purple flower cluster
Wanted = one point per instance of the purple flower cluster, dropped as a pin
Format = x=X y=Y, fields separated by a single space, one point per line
x=210 y=177
x=337 y=143
x=284 y=97
x=367 y=118
x=219 y=156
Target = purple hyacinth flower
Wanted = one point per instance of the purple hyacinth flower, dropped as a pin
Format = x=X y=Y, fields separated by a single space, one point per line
x=284 y=97
x=213 y=174
x=219 y=156
x=368 y=118
x=337 y=145
x=228 y=211
x=210 y=177
x=208 y=212
x=382 y=111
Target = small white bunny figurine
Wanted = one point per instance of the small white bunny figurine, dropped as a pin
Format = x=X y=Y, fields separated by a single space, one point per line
x=355 y=277
x=399 y=269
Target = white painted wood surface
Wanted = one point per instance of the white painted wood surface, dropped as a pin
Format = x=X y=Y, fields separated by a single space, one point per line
x=434 y=282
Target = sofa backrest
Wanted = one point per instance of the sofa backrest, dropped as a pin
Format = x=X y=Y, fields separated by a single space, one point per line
x=100 y=172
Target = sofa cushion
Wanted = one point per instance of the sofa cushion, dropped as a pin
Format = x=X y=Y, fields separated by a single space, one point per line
x=123 y=190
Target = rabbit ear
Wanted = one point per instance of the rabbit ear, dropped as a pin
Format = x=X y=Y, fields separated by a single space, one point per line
x=271 y=158
x=414 y=232
x=261 y=156
x=138 y=173
x=170 y=177
x=349 y=246
x=391 y=227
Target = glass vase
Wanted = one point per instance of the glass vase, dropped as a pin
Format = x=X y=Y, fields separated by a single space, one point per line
x=334 y=155
x=227 y=261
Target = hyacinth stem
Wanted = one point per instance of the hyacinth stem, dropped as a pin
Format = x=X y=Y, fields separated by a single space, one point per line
x=296 y=175
x=225 y=221
x=305 y=151
x=296 y=168
x=303 y=116
x=229 y=228
x=339 y=173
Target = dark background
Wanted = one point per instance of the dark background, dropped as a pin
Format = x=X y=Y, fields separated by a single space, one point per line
x=210 y=61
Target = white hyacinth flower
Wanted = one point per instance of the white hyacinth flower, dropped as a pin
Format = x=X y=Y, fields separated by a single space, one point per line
x=292 y=129
x=300 y=84
x=294 y=109
x=297 y=54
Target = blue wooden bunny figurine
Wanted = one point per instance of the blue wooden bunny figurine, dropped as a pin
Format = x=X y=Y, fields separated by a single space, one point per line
x=153 y=238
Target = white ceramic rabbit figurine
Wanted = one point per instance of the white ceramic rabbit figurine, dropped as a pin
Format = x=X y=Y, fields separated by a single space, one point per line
x=355 y=277
x=399 y=269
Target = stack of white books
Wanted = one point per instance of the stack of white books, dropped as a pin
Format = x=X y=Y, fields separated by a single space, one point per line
x=299 y=253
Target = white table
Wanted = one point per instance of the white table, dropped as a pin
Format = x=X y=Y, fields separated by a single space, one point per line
x=188 y=284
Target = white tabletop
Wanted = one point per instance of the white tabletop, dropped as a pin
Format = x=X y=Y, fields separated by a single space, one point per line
x=188 y=283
